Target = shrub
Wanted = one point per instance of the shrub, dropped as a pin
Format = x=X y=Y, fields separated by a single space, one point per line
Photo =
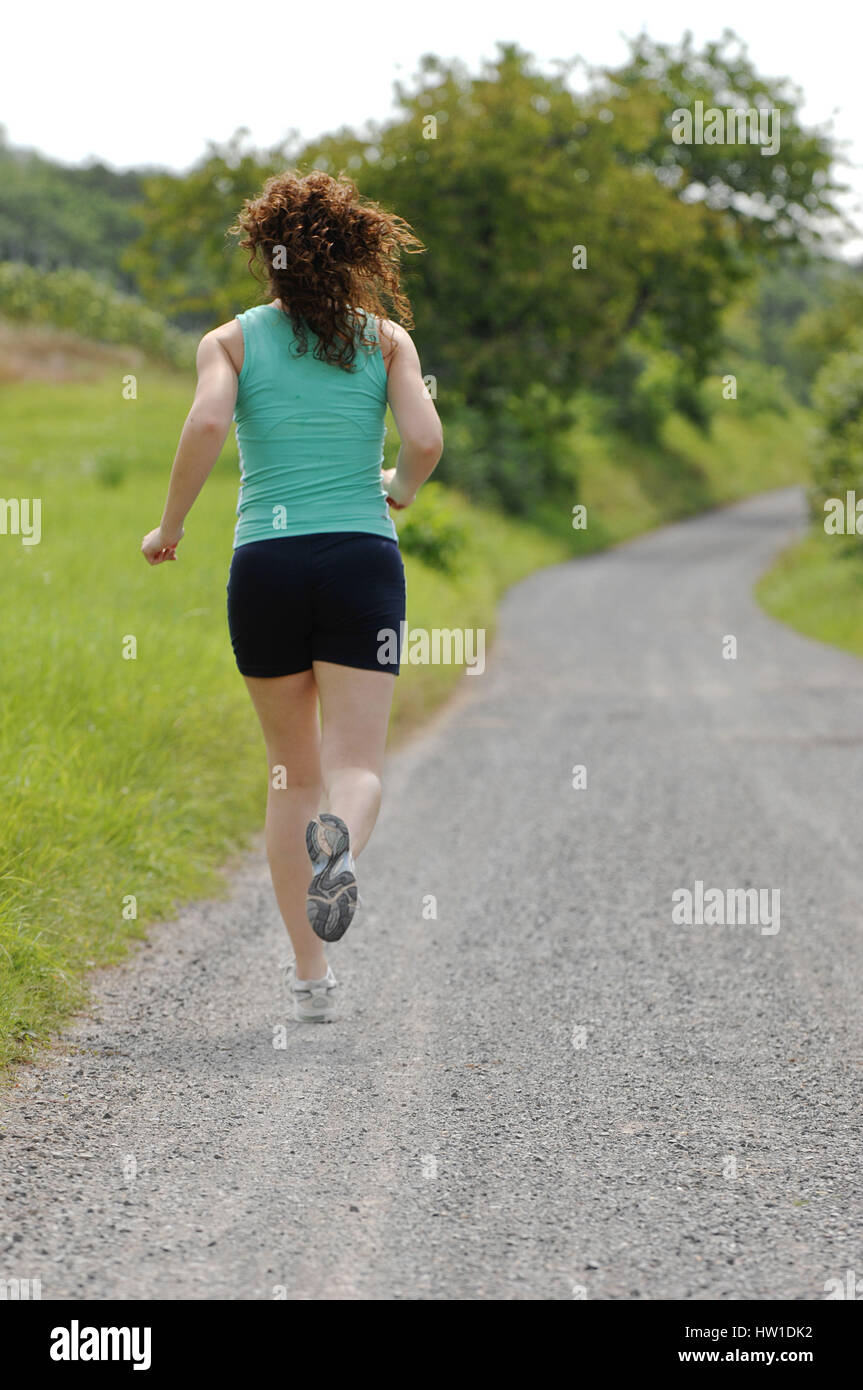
x=761 y=388
x=638 y=390
x=431 y=531
x=76 y=300
x=510 y=449
x=837 y=465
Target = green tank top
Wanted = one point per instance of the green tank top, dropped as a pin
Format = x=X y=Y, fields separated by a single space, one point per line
x=310 y=436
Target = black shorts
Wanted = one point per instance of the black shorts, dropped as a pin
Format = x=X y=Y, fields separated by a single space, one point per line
x=293 y=600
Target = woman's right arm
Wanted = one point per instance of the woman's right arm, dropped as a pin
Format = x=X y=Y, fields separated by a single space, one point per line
x=415 y=416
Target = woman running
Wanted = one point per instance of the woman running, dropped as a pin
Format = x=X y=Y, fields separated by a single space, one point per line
x=316 y=592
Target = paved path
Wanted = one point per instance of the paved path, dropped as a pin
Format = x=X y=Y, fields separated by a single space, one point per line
x=456 y=1136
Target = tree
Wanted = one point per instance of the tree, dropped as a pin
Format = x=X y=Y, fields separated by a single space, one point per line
x=182 y=262
x=503 y=174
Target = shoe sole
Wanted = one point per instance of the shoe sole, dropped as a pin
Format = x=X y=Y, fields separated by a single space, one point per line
x=328 y=1017
x=331 y=900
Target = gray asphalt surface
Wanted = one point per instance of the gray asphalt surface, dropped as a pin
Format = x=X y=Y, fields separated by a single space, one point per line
x=455 y=1136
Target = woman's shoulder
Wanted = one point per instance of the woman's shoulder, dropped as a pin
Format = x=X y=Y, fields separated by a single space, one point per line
x=390 y=335
x=230 y=336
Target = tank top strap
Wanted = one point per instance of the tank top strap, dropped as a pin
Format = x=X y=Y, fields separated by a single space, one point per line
x=252 y=323
x=367 y=328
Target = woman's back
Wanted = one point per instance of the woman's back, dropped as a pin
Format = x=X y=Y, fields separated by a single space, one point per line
x=310 y=435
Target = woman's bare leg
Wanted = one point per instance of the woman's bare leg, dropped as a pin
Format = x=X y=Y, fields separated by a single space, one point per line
x=287 y=707
x=355 y=711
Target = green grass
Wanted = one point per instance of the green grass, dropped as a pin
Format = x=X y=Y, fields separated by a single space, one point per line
x=816 y=586
x=629 y=488
x=135 y=779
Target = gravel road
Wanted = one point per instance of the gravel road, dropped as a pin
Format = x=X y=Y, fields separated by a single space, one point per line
x=552 y=1089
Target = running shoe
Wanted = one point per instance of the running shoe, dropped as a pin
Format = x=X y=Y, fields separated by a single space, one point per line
x=314 y=1000
x=331 y=900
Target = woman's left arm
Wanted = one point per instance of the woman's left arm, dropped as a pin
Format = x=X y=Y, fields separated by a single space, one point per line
x=201 y=441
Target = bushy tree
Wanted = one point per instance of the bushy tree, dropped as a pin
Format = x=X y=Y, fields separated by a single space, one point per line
x=503 y=174
x=838 y=439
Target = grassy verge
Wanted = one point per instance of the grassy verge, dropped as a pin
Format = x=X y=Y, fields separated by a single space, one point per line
x=628 y=487
x=816 y=587
x=127 y=780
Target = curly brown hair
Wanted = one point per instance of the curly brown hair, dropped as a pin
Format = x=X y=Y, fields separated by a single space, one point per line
x=324 y=252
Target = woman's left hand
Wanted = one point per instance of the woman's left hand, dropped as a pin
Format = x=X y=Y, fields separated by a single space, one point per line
x=387 y=476
x=159 y=545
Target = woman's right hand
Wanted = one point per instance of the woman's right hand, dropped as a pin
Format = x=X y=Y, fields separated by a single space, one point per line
x=159 y=545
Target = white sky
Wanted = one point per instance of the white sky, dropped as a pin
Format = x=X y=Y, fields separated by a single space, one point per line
x=150 y=83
